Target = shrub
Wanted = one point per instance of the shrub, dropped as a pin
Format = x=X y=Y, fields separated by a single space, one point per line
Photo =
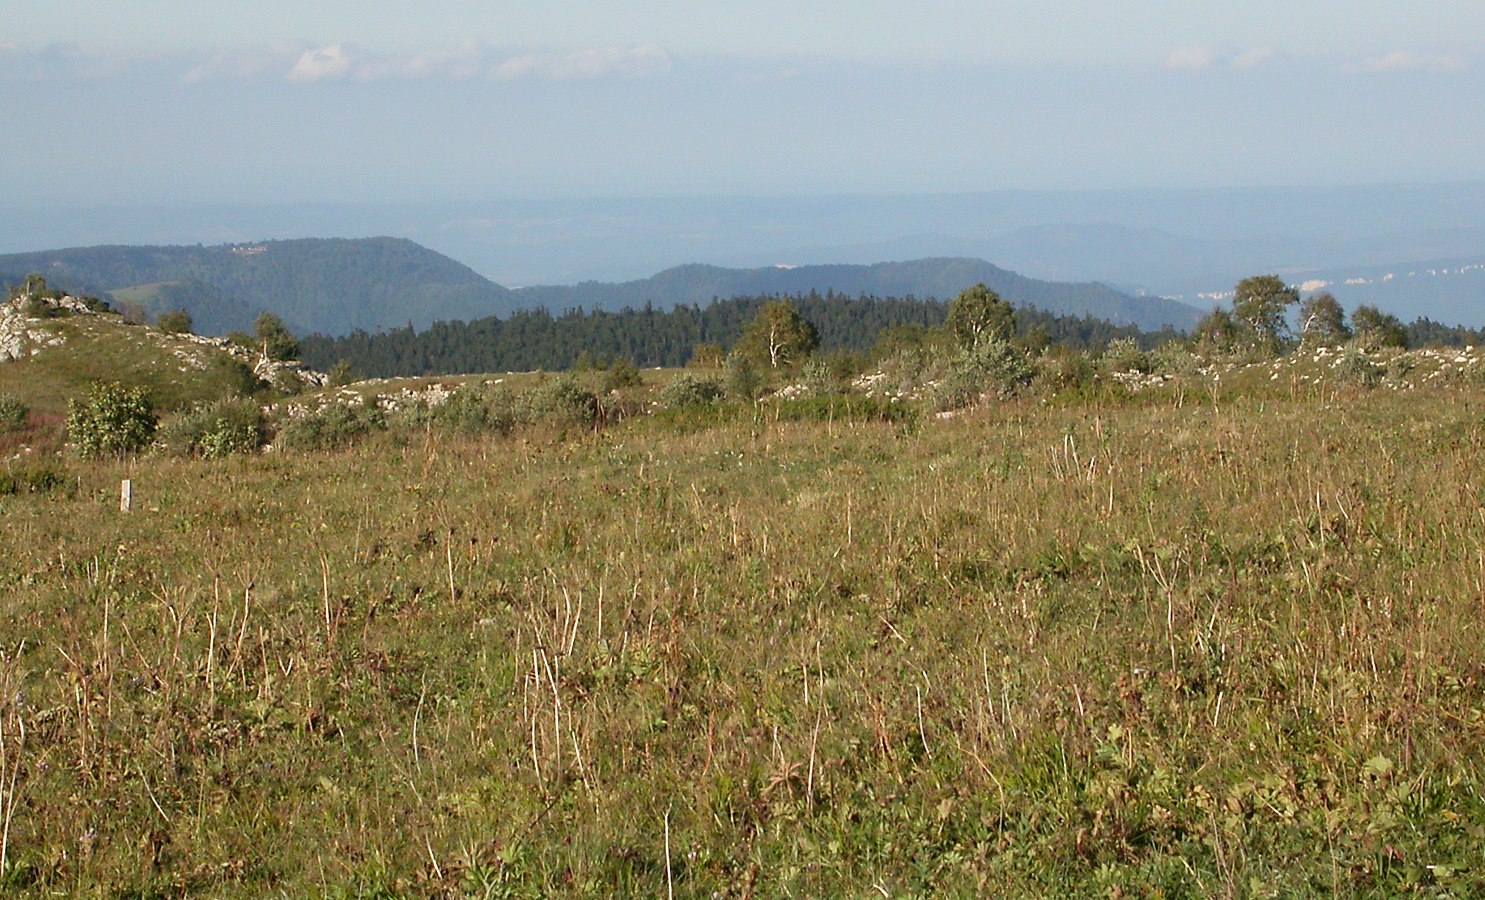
x=690 y=390
x=475 y=409
x=235 y=377
x=177 y=321
x=820 y=380
x=905 y=369
x=622 y=374
x=40 y=478
x=273 y=339
x=285 y=381
x=334 y=426
x=1357 y=368
x=1124 y=355
x=1174 y=358
x=993 y=367
x=743 y=382
x=219 y=429
x=13 y=414
x=560 y=401
x=707 y=356
x=37 y=306
x=1400 y=367
x=1070 y=371
x=112 y=421
x=341 y=374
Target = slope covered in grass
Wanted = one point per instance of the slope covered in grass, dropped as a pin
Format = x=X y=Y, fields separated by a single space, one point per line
x=1179 y=641
x=64 y=354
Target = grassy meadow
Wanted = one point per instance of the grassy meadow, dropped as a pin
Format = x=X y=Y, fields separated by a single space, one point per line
x=1204 y=641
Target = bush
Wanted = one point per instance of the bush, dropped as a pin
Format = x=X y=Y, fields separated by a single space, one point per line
x=475 y=409
x=1357 y=368
x=905 y=369
x=334 y=426
x=742 y=379
x=217 y=430
x=559 y=401
x=37 y=306
x=31 y=479
x=819 y=379
x=235 y=376
x=13 y=414
x=285 y=381
x=707 y=356
x=177 y=321
x=273 y=339
x=690 y=390
x=1066 y=371
x=993 y=367
x=342 y=374
x=1174 y=358
x=1124 y=355
x=112 y=421
x=622 y=374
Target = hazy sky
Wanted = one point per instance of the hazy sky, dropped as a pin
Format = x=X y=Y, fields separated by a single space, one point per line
x=274 y=101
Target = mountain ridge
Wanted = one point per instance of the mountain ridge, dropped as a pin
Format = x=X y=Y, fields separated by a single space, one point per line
x=335 y=286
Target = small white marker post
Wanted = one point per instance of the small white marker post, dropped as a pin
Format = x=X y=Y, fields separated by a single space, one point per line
x=126 y=494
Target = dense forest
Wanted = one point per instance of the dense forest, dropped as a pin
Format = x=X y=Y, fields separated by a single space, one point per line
x=938 y=277
x=328 y=285
x=335 y=286
x=535 y=339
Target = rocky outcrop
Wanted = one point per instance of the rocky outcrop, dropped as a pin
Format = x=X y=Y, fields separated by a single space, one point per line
x=23 y=336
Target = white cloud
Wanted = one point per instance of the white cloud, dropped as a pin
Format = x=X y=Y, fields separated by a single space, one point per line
x=1410 y=61
x=307 y=64
x=324 y=63
x=62 y=62
x=1191 y=59
x=247 y=65
x=1252 y=59
x=625 y=62
x=1197 y=59
x=456 y=64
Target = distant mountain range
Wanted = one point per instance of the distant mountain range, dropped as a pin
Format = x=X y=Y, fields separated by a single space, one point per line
x=327 y=285
x=337 y=286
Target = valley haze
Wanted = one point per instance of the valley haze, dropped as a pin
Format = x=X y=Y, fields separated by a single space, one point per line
x=1189 y=245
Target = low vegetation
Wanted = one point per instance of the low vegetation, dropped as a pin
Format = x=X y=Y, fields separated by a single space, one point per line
x=1160 y=622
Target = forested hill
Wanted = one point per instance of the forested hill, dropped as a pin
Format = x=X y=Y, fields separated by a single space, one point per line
x=651 y=337
x=940 y=278
x=326 y=285
x=337 y=286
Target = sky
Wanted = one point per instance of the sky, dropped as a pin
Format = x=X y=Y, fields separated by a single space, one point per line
x=277 y=102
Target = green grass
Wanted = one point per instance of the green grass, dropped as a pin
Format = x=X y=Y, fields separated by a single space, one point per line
x=102 y=348
x=1151 y=645
x=142 y=294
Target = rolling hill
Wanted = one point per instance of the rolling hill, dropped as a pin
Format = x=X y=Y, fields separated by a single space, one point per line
x=935 y=278
x=338 y=286
x=314 y=284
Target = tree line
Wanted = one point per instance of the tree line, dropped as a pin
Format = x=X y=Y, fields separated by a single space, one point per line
x=537 y=339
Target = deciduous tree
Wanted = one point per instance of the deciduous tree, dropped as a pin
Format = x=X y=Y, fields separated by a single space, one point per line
x=1378 y=329
x=779 y=336
x=1261 y=303
x=978 y=315
x=1322 y=321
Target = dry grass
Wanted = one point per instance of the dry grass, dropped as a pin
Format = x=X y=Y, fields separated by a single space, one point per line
x=1154 y=646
